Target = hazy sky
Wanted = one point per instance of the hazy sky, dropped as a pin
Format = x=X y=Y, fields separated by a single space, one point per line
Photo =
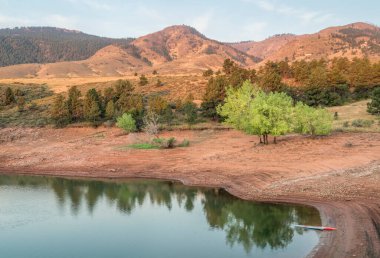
x=223 y=20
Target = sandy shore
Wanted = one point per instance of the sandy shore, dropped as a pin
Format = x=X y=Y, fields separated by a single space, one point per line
x=339 y=174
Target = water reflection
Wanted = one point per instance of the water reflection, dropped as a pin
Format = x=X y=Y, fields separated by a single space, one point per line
x=245 y=223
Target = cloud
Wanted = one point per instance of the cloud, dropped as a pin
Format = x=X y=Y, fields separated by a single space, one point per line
x=11 y=21
x=149 y=13
x=254 y=30
x=94 y=4
x=304 y=15
x=57 y=20
x=202 y=22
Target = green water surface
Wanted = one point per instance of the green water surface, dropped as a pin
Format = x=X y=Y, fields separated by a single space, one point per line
x=55 y=217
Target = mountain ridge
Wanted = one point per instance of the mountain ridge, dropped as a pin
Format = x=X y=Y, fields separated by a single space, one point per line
x=183 y=49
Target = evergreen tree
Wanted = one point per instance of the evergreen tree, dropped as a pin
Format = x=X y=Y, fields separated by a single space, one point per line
x=270 y=78
x=75 y=104
x=168 y=115
x=60 y=112
x=109 y=94
x=123 y=87
x=9 y=97
x=374 y=105
x=20 y=103
x=94 y=113
x=157 y=105
x=110 y=110
x=228 y=66
x=214 y=96
x=92 y=106
x=143 y=80
x=190 y=111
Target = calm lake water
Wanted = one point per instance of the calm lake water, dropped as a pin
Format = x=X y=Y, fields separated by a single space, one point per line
x=55 y=217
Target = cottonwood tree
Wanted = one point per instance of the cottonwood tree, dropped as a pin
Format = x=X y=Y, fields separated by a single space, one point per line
x=314 y=121
x=259 y=113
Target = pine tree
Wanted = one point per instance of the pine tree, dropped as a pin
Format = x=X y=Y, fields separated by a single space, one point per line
x=92 y=106
x=374 y=105
x=60 y=112
x=143 y=80
x=21 y=103
x=110 y=110
x=75 y=104
x=9 y=97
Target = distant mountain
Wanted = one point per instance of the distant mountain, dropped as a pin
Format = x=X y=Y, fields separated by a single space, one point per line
x=175 y=49
x=352 y=40
x=264 y=49
x=178 y=44
x=49 y=45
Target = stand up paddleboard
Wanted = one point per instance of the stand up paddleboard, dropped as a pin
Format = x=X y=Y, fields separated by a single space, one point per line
x=316 y=228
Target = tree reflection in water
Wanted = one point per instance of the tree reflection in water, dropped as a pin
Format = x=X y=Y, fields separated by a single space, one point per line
x=249 y=224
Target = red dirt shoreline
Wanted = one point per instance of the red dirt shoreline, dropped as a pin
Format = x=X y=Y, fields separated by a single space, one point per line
x=342 y=182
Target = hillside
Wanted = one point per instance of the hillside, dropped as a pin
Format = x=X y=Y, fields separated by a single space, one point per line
x=177 y=49
x=173 y=50
x=265 y=48
x=179 y=44
x=49 y=45
x=353 y=40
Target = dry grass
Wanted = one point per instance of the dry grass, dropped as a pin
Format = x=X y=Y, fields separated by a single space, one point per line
x=354 y=111
x=175 y=86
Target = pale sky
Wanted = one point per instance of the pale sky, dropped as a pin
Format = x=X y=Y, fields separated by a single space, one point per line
x=223 y=20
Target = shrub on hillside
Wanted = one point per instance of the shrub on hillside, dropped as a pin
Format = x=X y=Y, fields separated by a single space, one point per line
x=127 y=123
x=362 y=123
x=374 y=106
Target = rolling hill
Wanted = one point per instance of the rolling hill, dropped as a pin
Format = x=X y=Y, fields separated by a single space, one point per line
x=49 y=45
x=173 y=50
x=352 y=40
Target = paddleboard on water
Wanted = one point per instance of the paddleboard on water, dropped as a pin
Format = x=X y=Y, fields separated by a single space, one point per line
x=316 y=227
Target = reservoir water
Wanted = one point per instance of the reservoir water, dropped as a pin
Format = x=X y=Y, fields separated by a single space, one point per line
x=65 y=218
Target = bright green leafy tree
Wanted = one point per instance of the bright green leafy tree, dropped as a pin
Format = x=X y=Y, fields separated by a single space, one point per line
x=127 y=123
x=314 y=121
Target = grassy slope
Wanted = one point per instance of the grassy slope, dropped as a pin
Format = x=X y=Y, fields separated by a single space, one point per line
x=354 y=111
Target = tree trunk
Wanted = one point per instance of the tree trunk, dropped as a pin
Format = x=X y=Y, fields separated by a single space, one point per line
x=275 y=140
x=261 y=141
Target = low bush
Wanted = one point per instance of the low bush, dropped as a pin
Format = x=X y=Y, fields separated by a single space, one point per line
x=362 y=123
x=164 y=143
x=127 y=123
x=184 y=143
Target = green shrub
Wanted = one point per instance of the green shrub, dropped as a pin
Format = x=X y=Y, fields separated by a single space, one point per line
x=362 y=123
x=346 y=124
x=164 y=143
x=373 y=107
x=184 y=143
x=126 y=122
